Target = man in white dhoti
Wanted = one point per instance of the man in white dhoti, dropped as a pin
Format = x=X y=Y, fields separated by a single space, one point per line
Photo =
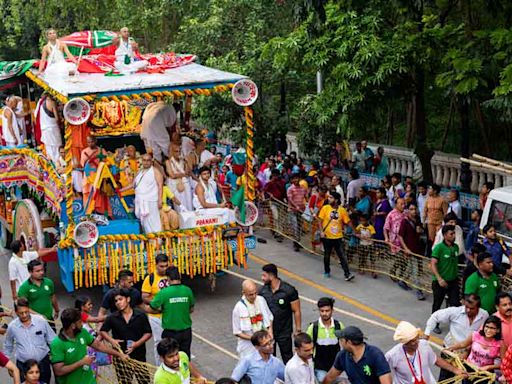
x=157 y=120
x=126 y=62
x=205 y=198
x=50 y=131
x=148 y=186
x=10 y=129
x=53 y=54
x=179 y=173
x=251 y=314
x=20 y=118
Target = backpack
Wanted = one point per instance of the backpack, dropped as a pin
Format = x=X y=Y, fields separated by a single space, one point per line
x=337 y=327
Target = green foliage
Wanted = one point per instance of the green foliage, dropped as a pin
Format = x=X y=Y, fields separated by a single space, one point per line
x=379 y=59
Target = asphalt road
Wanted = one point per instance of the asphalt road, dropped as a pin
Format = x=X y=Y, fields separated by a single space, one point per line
x=373 y=305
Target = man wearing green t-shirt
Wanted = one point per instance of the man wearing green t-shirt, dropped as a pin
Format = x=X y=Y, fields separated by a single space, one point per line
x=444 y=261
x=40 y=292
x=68 y=351
x=176 y=367
x=176 y=303
x=484 y=282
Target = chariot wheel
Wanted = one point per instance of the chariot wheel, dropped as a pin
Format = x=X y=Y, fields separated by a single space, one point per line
x=27 y=225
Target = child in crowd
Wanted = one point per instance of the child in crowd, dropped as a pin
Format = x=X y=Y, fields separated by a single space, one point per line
x=365 y=232
x=85 y=305
x=350 y=235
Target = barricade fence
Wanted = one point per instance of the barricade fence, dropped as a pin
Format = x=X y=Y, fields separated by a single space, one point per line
x=364 y=255
x=368 y=256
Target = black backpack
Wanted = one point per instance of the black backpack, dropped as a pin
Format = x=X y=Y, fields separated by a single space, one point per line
x=337 y=327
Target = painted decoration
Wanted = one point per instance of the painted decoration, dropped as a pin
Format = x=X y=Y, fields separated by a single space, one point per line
x=27 y=225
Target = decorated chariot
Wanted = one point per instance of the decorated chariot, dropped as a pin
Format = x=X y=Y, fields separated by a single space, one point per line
x=39 y=205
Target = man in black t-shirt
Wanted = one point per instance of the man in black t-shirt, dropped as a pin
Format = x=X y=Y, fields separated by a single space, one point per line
x=363 y=363
x=125 y=280
x=130 y=330
x=283 y=301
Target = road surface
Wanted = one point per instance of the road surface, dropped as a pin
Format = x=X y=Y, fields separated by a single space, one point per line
x=374 y=305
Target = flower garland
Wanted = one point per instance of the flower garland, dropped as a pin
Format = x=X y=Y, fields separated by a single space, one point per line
x=251 y=179
x=56 y=95
x=193 y=254
x=159 y=94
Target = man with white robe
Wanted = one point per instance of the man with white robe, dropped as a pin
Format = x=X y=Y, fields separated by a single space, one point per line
x=20 y=118
x=179 y=177
x=126 y=62
x=10 y=129
x=250 y=314
x=148 y=186
x=157 y=120
x=205 y=198
x=53 y=55
x=50 y=131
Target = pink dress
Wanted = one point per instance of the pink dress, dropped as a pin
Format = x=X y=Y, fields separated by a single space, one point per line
x=484 y=352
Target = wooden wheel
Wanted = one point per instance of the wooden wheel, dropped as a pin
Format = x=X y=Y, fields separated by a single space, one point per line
x=27 y=225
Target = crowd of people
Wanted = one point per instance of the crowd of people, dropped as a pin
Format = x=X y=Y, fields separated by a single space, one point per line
x=265 y=319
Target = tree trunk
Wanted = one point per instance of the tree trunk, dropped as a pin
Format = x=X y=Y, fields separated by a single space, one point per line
x=483 y=129
x=422 y=149
x=410 y=121
x=391 y=126
x=282 y=93
x=465 y=172
x=448 y=124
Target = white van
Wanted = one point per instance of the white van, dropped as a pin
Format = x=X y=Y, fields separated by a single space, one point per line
x=498 y=211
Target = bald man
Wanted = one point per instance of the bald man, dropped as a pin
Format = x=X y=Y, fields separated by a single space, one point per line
x=251 y=314
x=126 y=61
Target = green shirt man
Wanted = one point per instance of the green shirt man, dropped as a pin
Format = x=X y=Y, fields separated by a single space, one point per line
x=176 y=302
x=485 y=287
x=167 y=375
x=40 y=295
x=447 y=257
x=70 y=351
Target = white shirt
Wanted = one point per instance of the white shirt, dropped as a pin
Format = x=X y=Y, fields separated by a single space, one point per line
x=205 y=156
x=456 y=208
x=241 y=323
x=8 y=137
x=299 y=372
x=397 y=360
x=421 y=204
x=339 y=189
x=353 y=187
x=18 y=270
x=459 y=239
x=456 y=317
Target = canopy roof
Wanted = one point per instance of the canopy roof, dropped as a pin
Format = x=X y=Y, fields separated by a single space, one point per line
x=97 y=85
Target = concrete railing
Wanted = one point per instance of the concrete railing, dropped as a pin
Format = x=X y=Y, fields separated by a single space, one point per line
x=445 y=166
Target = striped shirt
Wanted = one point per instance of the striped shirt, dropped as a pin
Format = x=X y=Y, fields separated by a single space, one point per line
x=296 y=196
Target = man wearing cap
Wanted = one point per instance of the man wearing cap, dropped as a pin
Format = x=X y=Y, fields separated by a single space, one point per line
x=363 y=363
x=412 y=359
